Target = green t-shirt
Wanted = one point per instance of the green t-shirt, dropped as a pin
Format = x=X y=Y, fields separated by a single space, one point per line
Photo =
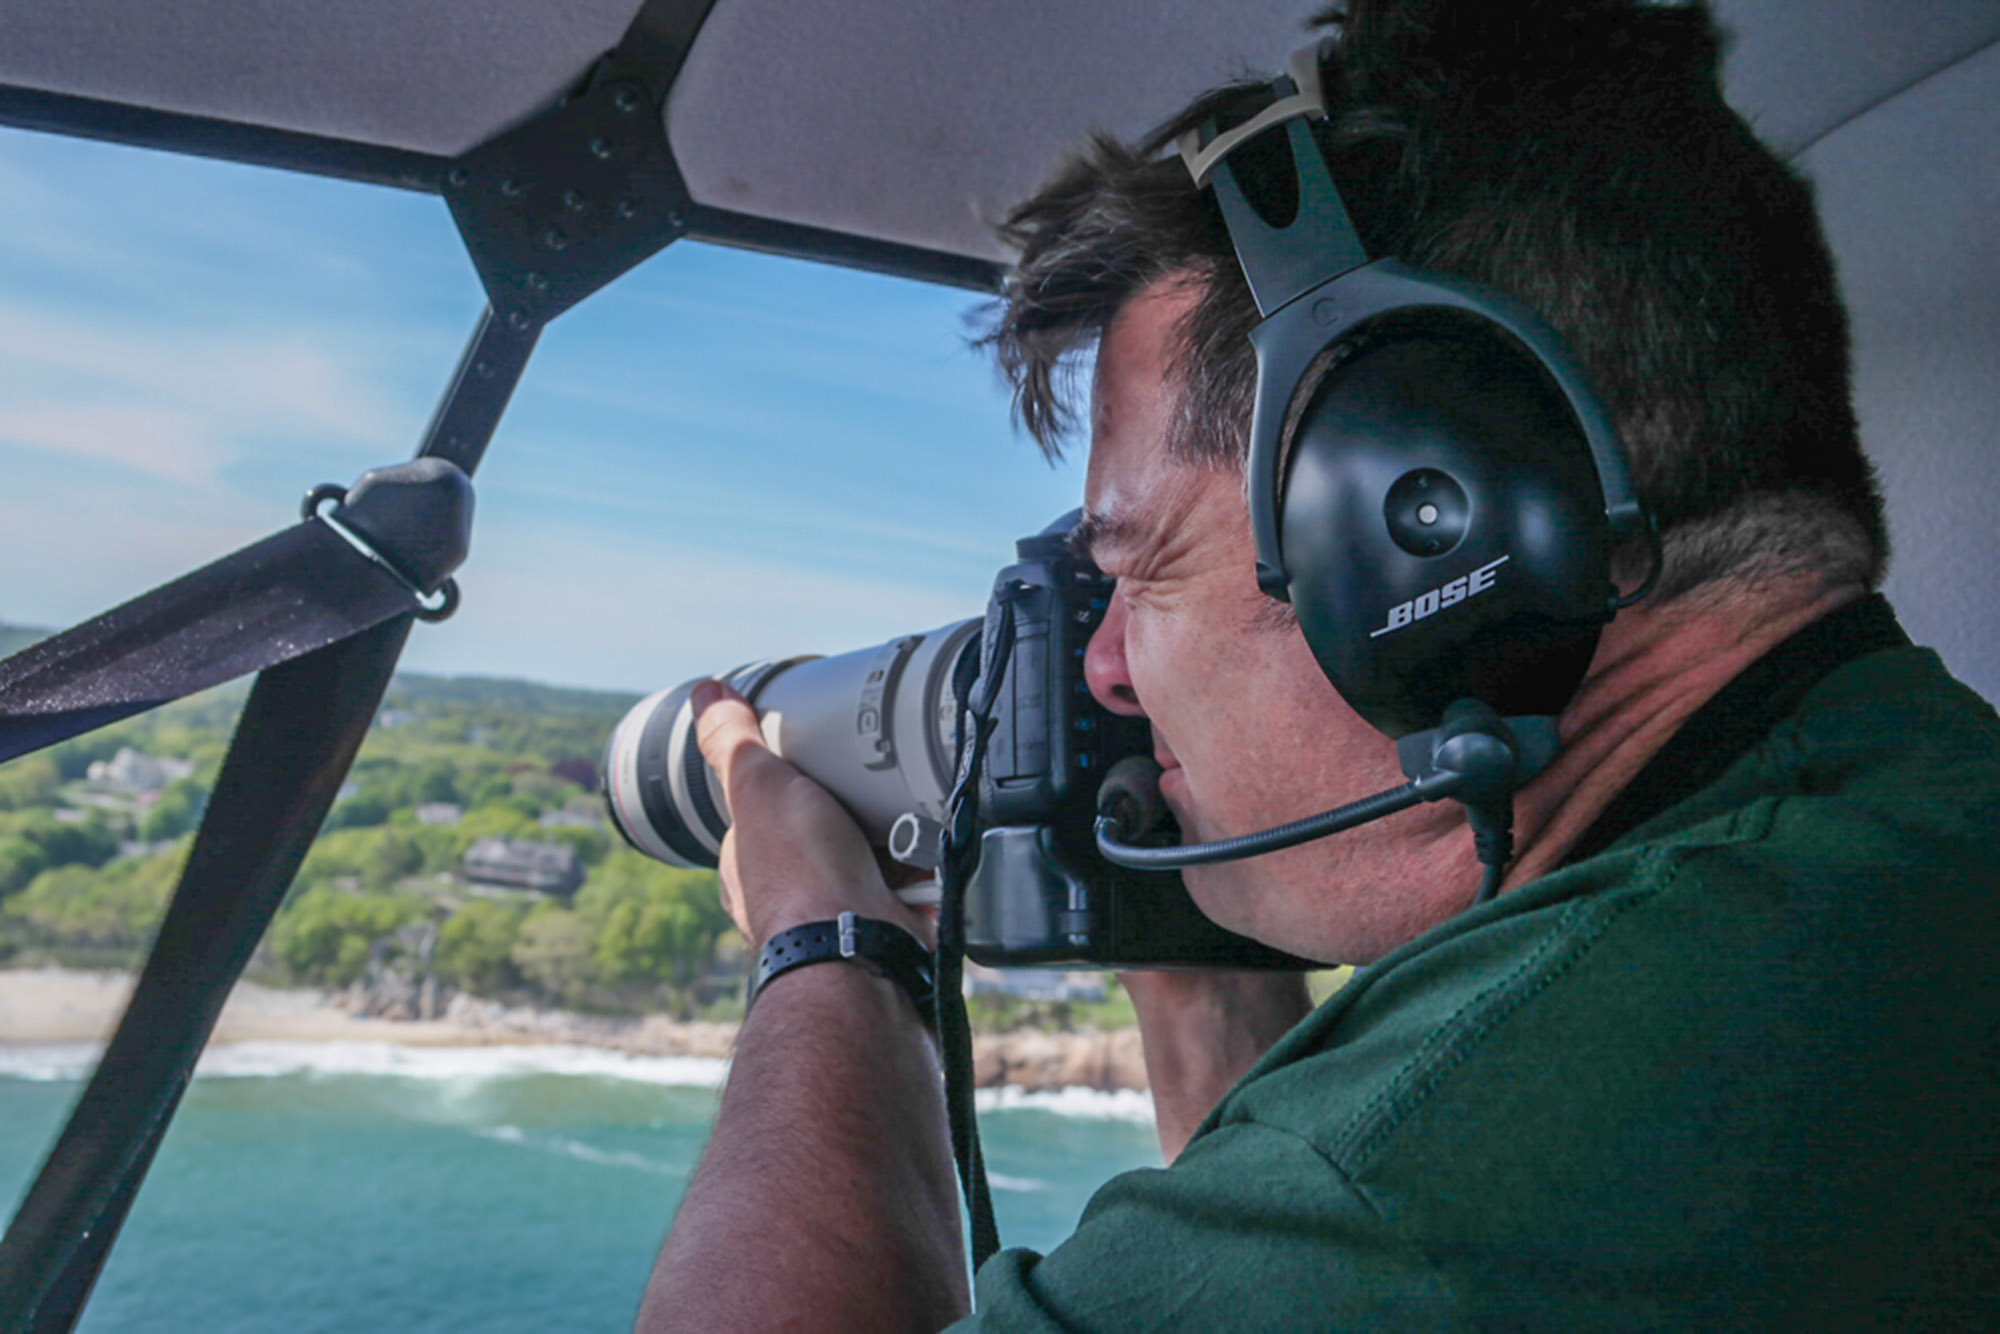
x=1734 y=1069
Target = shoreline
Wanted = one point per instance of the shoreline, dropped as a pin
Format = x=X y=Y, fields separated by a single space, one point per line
x=48 y=1006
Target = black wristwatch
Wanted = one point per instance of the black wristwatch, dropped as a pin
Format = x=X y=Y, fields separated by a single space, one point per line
x=887 y=949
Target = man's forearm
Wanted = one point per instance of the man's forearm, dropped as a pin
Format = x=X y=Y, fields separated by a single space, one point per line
x=826 y=1198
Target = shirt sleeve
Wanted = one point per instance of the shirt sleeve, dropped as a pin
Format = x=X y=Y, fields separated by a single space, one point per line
x=1250 y=1229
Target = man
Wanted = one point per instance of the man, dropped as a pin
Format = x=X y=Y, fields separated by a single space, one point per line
x=1722 y=1053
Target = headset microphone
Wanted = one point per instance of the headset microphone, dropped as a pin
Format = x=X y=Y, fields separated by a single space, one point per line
x=1476 y=757
x=1433 y=485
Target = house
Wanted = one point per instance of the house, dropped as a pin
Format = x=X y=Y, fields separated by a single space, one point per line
x=517 y=863
x=135 y=772
x=579 y=813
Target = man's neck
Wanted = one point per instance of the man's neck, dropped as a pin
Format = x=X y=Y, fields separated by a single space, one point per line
x=1654 y=668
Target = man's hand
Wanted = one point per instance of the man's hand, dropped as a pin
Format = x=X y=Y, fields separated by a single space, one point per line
x=792 y=854
x=1202 y=1031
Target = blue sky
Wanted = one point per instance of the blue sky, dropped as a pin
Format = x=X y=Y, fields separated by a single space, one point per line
x=721 y=457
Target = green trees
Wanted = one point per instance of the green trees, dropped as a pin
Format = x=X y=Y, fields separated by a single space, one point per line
x=637 y=934
x=650 y=923
x=475 y=947
x=54 y=896
x=435 y=781
x=364 y=810
x=324 y=935
x=29 y=782
x=553 y=952
x=92 y=915
x=33 y=841
x=177 y=811
x=21 y=860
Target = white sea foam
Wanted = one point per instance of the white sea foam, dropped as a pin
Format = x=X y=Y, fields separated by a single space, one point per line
x=261 y=1060
x=43 y=1062
x=251 y=1060
x=564 y=1147
x=1022 y=1185
x=1087 y=1103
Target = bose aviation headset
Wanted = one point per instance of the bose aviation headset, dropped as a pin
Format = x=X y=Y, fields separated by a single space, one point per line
x=1440 y=510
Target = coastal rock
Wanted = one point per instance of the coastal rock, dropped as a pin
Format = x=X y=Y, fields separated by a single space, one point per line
x=1036 y=1060
x=639 y=1035
x=1029 y=1059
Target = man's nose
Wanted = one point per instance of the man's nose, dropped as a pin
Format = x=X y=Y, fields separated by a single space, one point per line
x=1105 y=669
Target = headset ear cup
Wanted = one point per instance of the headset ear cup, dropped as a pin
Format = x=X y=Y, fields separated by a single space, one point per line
x=1444 y=530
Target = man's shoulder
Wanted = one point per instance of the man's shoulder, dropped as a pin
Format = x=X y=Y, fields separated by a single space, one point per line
x=1349 y=1076
x=1717 y=1045
x=1857 y=832
x=1888 y=738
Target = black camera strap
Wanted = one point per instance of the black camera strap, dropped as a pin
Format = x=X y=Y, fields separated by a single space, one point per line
x=976 y=686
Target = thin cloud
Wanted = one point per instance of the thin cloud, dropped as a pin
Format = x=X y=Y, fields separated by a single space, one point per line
x=71 y=555
x=178 y=403
x=562 y=603
x=170 y=444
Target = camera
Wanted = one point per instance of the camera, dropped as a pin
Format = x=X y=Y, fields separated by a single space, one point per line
x=879 y=728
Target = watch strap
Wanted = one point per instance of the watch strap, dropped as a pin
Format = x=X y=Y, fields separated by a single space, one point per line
x=886 y=948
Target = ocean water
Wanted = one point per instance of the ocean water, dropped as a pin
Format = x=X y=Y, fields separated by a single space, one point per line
x=352 y=1186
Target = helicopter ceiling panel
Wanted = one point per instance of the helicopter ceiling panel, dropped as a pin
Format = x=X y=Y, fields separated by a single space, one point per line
x=438 y=76
x=921 y=122
x=912 y=121
x=918 y=121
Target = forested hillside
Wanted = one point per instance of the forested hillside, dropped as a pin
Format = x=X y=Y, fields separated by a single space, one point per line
x=467 y=851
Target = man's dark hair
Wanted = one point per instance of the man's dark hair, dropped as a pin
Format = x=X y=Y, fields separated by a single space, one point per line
x=1575 y=154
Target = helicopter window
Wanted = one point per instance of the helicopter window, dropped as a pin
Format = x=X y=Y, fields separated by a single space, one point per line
x=724 y=455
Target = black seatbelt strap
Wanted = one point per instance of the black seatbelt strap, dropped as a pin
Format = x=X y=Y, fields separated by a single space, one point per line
x=376 y=555
x=299 y=732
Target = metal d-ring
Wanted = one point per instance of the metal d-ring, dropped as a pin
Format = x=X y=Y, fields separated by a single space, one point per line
x=431 y=607
x=319 y=495
x=447 y=596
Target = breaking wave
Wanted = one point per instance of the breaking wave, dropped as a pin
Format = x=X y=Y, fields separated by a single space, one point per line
x=564 y=1147
x=263 y=1060
x=1088 y=1103
x=45 y=1062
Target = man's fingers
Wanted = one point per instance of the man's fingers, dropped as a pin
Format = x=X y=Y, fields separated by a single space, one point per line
x=724 y=726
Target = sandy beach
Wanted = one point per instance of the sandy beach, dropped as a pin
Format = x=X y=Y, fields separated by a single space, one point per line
x=59 y=1005
x=53 y=1005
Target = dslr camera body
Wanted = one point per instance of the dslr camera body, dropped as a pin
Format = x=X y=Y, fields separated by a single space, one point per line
x=879 y=728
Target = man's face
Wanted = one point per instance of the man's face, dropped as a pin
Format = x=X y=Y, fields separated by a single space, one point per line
x=1247 y=727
